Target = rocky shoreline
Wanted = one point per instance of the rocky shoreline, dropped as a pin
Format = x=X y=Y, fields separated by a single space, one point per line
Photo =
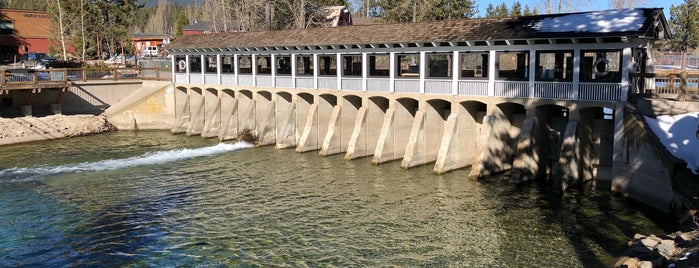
x=676 y=250
x=27 y=129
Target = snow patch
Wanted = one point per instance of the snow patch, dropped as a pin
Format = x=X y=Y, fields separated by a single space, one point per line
x=618 y=20
x=678 y=134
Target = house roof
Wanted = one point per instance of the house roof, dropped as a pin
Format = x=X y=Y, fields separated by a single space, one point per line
x=198 y=26
x=608 y=23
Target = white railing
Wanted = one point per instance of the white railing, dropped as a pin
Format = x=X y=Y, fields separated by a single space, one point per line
x=304 y=82
x=180 y=78
x=438 y=86
x=378 y=84
x=407 y=85
x=473 y=88
x=228 y=79
x=352 y=83
x=245 y=80
x=511 y=89
x=600 y=91
x=264 y=81
x=325 y=82
x=195 y=79
x=284 y=81
x=211 y=79
x=553 y=90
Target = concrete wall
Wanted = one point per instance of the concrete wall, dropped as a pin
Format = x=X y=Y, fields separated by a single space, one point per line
x=569 y=141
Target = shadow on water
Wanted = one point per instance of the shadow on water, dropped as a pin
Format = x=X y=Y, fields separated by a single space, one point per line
x=594 y=224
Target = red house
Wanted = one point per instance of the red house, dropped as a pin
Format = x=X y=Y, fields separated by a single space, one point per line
x=23 y=31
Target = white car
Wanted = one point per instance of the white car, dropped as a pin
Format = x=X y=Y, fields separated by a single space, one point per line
x=149 y=51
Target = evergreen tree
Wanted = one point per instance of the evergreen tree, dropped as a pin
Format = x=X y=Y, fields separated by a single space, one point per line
x=516 y=9
x=683 y=19
x=526 y=11
x=490 y=11
x=424 y=10
x=502 y=11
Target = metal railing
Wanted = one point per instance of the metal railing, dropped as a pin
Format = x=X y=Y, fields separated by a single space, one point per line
x=15 y=77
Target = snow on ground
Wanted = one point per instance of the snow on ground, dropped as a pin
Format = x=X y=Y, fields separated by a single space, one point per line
x=605 y=21
x=679 y=135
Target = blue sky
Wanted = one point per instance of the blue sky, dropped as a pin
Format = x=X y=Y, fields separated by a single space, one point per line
x=585 y=5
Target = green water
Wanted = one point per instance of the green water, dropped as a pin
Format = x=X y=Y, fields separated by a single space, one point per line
x=156 y=199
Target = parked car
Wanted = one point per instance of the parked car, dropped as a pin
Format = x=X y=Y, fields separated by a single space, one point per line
x=36 y=60
x=150 y=51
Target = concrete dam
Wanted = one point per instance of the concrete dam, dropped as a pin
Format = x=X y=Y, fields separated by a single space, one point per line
x=530 y=98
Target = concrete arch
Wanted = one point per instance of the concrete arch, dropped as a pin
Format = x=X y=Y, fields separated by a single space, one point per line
x=341 y=124
x=265 y=118
x=317 y=122
x=463 y=136
x=286 y=120
x=395 y=130
x=596 y=134
x=367 y=127
x=503 y=125
x=212 y=113
x=181 y=109
x=246 y=111
x=229 y=115
x=196 y=111
x=426 y=133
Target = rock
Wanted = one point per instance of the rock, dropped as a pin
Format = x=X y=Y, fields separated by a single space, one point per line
x=620 y=261
x=630 y=263
x=645 y=264
x=650 y=243
x=667 y=248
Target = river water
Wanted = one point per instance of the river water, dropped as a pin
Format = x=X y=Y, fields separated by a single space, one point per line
x=156 y=199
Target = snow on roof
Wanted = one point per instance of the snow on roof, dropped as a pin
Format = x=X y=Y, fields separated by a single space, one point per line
x=678 y=134
x=606 y=21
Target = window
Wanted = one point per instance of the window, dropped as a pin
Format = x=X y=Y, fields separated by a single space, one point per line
x=283 y=65
x=327 y=65
x=227 y=64
x=195 y=64
x=181 y=62
x=211 y=66
x=513 y=65
x=408 y=65
x=304 y=65
x=474 y=65
x=554 y=66
x=264 y=65
x=379 y=65
x=7 y=27
x=352 y=65
x=600 y=66
x=439 y=65
x=245 y=65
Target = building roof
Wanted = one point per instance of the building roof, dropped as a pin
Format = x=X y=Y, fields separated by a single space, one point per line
x=198 y=26
x=641 y=23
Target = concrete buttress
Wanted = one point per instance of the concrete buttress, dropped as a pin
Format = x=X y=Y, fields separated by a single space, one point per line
x=196 y=112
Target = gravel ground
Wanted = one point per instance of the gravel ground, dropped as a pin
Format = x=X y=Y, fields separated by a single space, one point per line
x=26 y=129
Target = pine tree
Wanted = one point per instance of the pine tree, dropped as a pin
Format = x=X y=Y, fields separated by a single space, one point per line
x=490 y=11
x=683 y=19
x=516 y=9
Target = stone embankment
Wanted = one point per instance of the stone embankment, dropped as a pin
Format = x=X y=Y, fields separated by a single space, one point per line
x=676 y=250
x=26 y=129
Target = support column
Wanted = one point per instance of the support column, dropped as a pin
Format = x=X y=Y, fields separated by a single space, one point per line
x=392 y=72
x=491 y=72
x=456 y=68
x=196 y=112
x=365 y=70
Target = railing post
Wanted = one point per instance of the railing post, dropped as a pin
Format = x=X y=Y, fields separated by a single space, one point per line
x=157 y=73
x=65 y=75
x=115 y=74
x=3 y=77
x=35 y=78
x=84 y=74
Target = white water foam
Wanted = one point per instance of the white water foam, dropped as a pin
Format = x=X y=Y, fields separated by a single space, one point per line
x=151 y=158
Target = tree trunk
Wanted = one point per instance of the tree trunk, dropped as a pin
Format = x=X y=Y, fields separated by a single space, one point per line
x=684 y=60
x=61 y=30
